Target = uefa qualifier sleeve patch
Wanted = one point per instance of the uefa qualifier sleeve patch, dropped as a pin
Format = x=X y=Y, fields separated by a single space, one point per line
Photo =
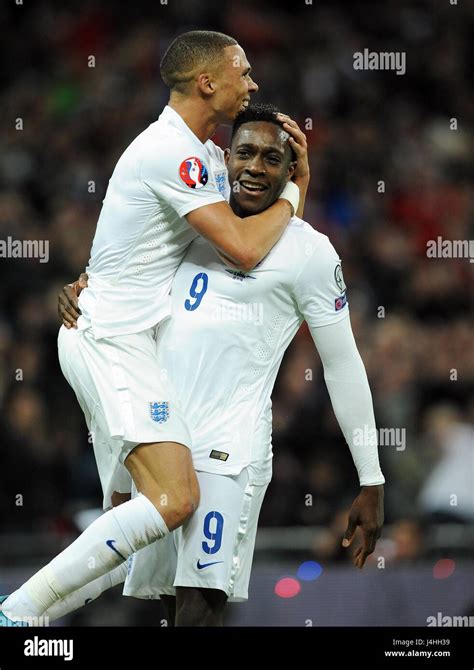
x=193 y=172
x=339 y=277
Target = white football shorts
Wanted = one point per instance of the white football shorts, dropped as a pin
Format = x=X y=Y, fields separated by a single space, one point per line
x=212 y=550
x=125 y=398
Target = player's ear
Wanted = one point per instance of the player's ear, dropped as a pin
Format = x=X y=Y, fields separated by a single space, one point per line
x=291 y=169
x=226 y=156
x=205 y=83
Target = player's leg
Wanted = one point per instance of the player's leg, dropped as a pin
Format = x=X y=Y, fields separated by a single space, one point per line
x=91 y=591
x=197 y=558
x=85 y=595
x=199 y=607
x=164 y=475
x=215 y=548
x=209 y=558
x=163 y=472
x=151 y=574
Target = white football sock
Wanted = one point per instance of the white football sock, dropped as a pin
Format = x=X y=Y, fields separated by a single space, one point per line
x=104 y=545
x=86 y=594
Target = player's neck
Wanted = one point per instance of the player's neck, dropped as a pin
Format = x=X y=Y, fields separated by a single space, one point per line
x=238 y=211
x=196 y=115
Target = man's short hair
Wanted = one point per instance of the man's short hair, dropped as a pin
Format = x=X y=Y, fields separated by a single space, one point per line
x=259 y=112
x=198 y=48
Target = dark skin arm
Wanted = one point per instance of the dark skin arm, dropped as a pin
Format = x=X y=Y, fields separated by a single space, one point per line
x=366 y=512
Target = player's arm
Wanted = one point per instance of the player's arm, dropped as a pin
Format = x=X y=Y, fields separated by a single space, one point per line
x=243 y=241
x=321 y=298
x=177 y=174
x=351 y=399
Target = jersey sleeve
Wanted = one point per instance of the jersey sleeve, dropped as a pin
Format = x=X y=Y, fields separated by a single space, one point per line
x=319 y=290
x=180 y=175
x=349 y=390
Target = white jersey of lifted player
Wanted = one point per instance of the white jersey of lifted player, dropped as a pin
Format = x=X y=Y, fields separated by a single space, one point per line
x=142 y=234
x=223 y=346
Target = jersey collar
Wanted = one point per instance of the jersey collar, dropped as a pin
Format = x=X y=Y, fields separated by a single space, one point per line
x=171 y=116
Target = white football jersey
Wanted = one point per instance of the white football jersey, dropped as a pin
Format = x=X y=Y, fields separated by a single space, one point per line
x=142 y=234
x=223 y=346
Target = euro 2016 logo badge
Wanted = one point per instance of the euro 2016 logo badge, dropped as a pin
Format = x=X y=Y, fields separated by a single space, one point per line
x=193 y=172
x=160 y=411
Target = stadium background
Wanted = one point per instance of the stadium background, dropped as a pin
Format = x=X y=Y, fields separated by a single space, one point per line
x=412 y=315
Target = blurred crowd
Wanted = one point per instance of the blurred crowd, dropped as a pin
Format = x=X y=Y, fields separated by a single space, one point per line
x=390 y=171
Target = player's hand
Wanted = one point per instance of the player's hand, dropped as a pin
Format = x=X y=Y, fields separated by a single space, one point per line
x=68 y=308
x=300 y=147
x=366 y=512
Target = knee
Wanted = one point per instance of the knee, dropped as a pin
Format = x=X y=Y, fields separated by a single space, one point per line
x=186 y=503
x=182 y=509
x=175 y=510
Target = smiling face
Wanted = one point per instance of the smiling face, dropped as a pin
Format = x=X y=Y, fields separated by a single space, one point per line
x=233 y=84
x=259 y=165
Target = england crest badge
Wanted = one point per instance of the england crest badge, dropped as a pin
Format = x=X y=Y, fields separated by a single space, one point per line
x=160 y=411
